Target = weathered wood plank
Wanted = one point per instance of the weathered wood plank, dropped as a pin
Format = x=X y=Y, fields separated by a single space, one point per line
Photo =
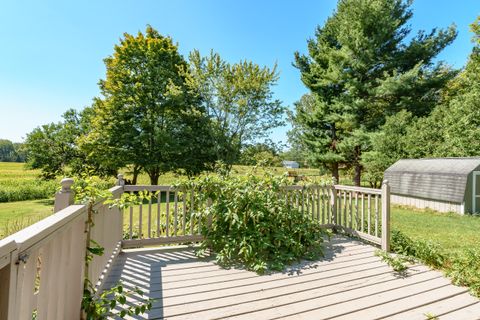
x=350 y=283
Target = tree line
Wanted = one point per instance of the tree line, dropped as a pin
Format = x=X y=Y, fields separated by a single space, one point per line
x=11 y=152
x=159 y=112
x=378 y=94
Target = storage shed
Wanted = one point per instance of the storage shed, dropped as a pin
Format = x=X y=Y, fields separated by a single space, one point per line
x=442 y=184
x=290 y=164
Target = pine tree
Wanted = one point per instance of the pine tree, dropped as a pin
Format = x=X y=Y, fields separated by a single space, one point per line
x=361 y=69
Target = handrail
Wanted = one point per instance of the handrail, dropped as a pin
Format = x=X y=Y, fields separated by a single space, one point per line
x=7 y=246
x=358 y=189
x=116 y=193
x=134 y=188
x=307 y=186
x=46 y=260
x=39 y=232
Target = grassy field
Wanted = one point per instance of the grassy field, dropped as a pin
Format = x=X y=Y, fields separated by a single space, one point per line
x=19 y=184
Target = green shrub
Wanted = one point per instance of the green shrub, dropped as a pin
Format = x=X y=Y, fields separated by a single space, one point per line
x=463 y=268
x=397 y=262
x=249 y=223
x=425 y=251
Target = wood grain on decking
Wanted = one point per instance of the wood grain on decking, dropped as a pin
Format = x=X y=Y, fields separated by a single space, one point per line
x=348 y=283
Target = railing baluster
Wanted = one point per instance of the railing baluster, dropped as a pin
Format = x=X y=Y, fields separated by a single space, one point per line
x=345 y=207
x=131 y=223
x=175 y=214
x=303 y=200
x=191 y=212
x=350 y=196
x=184 y=222
x=376 y=215
x=159 y=201
x=199 y=220
x=362 y=222
x=329 y=209
x=140 y=220
x=319 y=204
x=312 y=195
x=296 y=203
x=339 y=208
x=356 y=210
x=150 y=217
x=167 y=213
x=369 y=214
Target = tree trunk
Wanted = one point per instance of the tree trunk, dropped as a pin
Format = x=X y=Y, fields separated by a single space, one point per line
x=136 y=172
x=335 y=171
x=154 y=178
x=358 y=174
x=358 y=167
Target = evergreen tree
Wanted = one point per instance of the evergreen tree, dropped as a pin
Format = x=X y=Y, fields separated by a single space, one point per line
x=317 y=131
x=388 y=146
x=361 y=68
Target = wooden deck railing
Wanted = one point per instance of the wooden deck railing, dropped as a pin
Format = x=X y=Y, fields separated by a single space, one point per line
x=363 y=212
x=169 y=216
x=42 y=266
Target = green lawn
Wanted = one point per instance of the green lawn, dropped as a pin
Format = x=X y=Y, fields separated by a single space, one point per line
x=15 y=216
x=451 y=231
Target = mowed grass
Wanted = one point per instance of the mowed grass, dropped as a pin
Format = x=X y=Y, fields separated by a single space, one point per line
x=15 y=216
x=451 y=231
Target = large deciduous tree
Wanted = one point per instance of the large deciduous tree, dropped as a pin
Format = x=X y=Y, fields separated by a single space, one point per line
x=361 y=68
x=148 y=117
x=238 y=99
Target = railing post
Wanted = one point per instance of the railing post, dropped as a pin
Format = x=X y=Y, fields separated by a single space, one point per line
x=65 y=197
x=385 y=216
x=333 y=201
x=120 y=180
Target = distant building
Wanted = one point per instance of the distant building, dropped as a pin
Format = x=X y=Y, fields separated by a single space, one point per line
x=290 y=164
x=442 y=184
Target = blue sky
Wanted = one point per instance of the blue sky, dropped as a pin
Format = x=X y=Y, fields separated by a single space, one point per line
x=51 y=53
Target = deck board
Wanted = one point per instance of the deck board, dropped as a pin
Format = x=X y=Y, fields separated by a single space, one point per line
x=348 y=283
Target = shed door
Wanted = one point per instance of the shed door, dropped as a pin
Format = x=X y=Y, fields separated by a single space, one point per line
x=476 y=191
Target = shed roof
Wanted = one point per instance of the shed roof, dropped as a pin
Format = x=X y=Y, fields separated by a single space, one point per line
x=443 y=179
x=289 y=162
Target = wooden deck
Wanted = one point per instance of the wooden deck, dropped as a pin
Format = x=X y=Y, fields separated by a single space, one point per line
x=349 y=283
